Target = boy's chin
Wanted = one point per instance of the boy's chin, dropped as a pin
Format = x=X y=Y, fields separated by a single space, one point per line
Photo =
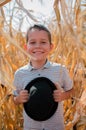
x=38 y=59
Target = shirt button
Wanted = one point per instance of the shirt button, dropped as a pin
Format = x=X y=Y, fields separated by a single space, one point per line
x=38 y=74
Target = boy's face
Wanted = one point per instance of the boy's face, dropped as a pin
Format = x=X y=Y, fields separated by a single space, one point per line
x=38 y=45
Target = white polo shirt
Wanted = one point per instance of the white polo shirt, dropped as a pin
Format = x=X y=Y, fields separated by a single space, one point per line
x=57 y=74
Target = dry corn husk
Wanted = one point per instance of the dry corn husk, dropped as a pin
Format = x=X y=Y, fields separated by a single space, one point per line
x=70 y=49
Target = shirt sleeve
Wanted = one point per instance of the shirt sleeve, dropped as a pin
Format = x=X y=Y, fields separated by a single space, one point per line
x=16 y=84
x=67 y=81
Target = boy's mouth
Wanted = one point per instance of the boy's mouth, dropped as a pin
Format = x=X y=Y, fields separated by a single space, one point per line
x=38 y=52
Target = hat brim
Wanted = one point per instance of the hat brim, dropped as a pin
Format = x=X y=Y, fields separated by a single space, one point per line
x=41 y=105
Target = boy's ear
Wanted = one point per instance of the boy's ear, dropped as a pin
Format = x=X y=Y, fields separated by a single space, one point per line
x=52 y=46
x=25 y=46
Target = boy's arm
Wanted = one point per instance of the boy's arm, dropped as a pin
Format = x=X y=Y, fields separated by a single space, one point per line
x=68 y=94
x=16 y=100
x=60 y=95
x=22 y=97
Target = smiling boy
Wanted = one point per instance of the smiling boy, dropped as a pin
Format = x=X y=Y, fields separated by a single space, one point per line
x=39 y=46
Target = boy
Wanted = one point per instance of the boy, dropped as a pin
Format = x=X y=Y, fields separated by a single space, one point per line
x=39 y=46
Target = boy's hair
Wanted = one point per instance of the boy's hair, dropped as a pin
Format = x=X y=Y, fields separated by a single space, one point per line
x=39 y=27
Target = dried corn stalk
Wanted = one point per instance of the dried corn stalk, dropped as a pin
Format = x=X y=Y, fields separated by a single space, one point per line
x=69 y=38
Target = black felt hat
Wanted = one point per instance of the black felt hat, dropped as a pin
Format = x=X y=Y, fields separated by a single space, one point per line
x=41 y=105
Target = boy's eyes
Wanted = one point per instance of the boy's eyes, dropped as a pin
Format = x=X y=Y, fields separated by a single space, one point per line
x=43 y=42
x=32 y=42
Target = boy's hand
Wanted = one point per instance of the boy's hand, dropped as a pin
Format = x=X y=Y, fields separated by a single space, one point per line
x=58 y=95
x=22 y=97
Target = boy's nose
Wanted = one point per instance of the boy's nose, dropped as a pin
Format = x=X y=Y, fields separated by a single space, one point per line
x=37 y=44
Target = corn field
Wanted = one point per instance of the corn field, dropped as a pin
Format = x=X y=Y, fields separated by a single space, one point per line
x=68 y=29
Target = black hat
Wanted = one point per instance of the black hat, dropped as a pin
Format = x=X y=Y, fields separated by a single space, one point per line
x=41 y=105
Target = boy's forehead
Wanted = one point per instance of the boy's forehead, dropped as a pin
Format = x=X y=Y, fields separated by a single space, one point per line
x=38 y=33
x=35 y=32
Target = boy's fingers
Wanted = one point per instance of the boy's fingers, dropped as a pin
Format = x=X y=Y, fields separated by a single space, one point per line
x=24 y=91
x=57 y=86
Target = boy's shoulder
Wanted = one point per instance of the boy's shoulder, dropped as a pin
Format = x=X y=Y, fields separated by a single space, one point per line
x=22 y=69
x=58 y=66
x=54 y=64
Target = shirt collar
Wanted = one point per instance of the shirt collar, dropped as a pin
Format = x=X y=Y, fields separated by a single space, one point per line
x=46 y=65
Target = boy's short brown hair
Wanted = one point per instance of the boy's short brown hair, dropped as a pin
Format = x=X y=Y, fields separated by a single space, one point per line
x=39 y=27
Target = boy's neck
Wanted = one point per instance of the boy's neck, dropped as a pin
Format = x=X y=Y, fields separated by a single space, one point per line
x=38 y=65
